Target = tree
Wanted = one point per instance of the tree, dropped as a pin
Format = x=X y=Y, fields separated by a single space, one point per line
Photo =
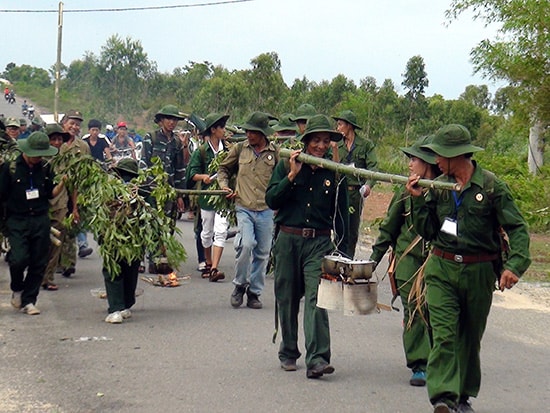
x=415 y=80
x=477 y=95
x=124 y=70
x=519 y=55
x=267 y=87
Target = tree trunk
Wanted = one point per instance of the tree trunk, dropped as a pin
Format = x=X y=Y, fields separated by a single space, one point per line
x=536 y=147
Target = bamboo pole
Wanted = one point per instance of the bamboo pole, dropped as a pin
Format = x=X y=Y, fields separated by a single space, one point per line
x=209 y=192
x=365 y=173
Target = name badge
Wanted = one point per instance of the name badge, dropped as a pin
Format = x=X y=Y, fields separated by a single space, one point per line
x=32 y=194
x=449 y=227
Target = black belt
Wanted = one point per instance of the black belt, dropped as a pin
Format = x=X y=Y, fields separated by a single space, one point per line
x=305 y=232
x=464 y=259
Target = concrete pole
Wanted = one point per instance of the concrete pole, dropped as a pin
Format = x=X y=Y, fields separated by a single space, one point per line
x=58 y=63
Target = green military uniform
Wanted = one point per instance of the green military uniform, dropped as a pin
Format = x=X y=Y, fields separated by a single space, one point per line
x=397 y=232
x=26 y=191
x=170 y=151
x=460 y=273
x=360 y=155
x=307 y=208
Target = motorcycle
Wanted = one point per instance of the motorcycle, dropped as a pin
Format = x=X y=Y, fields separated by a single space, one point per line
x=31 y=113
x=11 y=98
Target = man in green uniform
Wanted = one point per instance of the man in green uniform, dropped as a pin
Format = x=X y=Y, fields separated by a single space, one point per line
x=355 y=150
x=165 y=144
x=310 y=203
x=409 y=251
x=463 y=228
x=26 y=184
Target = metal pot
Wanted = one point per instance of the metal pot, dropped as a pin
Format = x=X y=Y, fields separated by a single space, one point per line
x=360 y=270
x=335 y=265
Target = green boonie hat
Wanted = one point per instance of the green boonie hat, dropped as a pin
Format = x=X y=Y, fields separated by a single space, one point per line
x=452 y=140
x=37 y=121
x=211 y=119
x=12 y=122
x=258 y=122
x=169 y=111
x=37 y=144
x=321 y=123
x=128 y=165
x=53 y=128
x=416 y=150
x=285 y=123
x=73 y=114
x=304 y=112
x=23 y=122
x=349 y=117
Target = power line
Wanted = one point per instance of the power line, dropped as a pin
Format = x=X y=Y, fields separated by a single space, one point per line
x=179 y=6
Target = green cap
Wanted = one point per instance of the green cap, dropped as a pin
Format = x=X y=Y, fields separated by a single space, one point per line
x=321 y=123
x=53 y=128
x=211 y=119
x=73 y=114
x=128 y=165
x=304 y=112
x=452 y=140
x=285 y=123
x=37 y=144
x=258 y=122
x=23 y=122
x=169 y=111
x=416 y=150
x=349 y=117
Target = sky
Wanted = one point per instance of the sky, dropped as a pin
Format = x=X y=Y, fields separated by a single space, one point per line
x=318 y=39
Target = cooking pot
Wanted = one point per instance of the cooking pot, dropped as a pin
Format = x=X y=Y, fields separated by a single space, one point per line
x=335 y=265
x=360 y=270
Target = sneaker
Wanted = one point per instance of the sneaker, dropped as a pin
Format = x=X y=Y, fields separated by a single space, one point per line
x=30 y=309
x=237 y=295
x=16 y=299
x=201 y=267
x=84 y=251
x=418 y=378
x=114 y=318
x=465 y=407
x=68 y=272
x=253 y=301
x=126 y=313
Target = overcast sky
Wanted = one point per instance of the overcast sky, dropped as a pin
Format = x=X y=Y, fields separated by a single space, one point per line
x=318 y=39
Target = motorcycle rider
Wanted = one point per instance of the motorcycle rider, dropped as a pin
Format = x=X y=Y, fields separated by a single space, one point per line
x=24 y=108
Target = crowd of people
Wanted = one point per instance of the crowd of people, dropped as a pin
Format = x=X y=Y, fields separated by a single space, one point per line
x=448 y=241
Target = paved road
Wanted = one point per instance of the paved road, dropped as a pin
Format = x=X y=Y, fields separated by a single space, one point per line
x=187 y=350
x=14 y=110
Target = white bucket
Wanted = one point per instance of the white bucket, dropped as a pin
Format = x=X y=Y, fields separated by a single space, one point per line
x=329 y=295
x=360 y=298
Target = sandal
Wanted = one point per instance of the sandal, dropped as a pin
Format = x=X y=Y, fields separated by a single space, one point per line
x=50 y=287
x=205 y=273
x=216 y=275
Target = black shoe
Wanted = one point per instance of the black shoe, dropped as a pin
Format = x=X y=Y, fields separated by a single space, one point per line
x=289 y=365
x=318 y=370
x=152 y=269
x=464 y=406
x=68 y=272
x=84 y=251
x=237 y=295
x=253 y=301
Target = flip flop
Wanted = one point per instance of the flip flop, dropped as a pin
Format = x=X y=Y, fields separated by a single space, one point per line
x=50 y=287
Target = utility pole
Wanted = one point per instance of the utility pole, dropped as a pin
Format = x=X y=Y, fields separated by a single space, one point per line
x=58 y=62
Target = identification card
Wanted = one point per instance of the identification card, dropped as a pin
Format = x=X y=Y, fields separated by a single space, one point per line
x=449 y=227
x=32 y=194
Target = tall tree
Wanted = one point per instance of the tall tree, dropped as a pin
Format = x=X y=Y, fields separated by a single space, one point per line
x=267 y=87
x=477 y=95
x=415 y=81
x=520 y=55
x=125 y=69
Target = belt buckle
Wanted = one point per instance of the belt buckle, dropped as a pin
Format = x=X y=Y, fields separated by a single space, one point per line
x=308 y=232
x=458 y=258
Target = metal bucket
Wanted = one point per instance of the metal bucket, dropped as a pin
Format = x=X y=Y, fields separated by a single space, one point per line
x=329 y=295
x=360 y=298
